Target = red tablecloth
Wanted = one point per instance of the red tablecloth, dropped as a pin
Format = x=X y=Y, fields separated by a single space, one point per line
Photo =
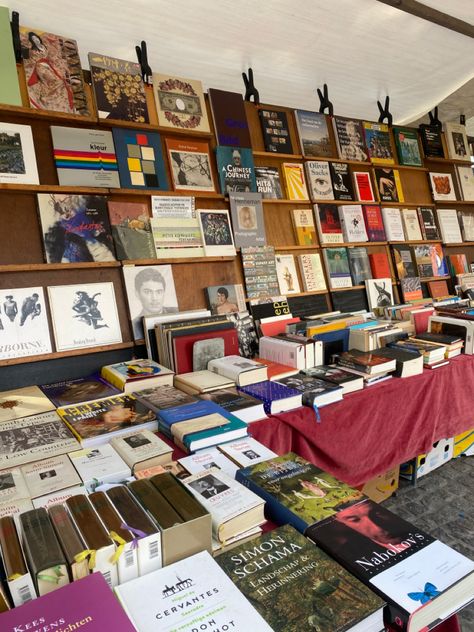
x=380 y=427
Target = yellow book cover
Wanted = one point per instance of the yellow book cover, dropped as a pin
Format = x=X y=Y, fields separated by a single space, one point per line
x=320 y=329
x=398 y=184
x=295 y=182
x=303 y=224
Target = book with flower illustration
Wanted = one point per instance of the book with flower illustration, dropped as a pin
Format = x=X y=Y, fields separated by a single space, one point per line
x=180 y=103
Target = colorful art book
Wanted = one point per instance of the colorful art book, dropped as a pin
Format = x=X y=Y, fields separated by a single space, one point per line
x=131 y=230
x=337 y=264
x=75 y=228
x=389 y=185
x=78 y=390
x=180 y=103
x=442 y=186
x=85 y=157
x=140 y=159
x=268 y=182
x=377 y=139
x=216 y=233
x=303 y=224
x=236 y=169
x=408 y=150
x=314 y=134
x=118 y=88
x=229 y=117
x=225 y=299
x=465 y=177
x=295 y=182
x=350 y=139
x=260 y=271
x=17 y=155
x=379 y=292
x=328 y=223
x=247 y=219
x=53 y=72
x=276 y=135
x=190 y=165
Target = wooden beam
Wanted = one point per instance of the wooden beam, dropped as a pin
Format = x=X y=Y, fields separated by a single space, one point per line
x=420 y=10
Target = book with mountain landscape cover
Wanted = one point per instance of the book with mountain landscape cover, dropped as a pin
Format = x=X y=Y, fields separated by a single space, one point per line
x=296 y=586
x=314 y=134
x=276 y=135
x=423 y=580
x=268 y=182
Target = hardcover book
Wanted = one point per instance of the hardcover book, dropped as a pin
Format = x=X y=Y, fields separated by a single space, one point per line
x=374 y=223
x=85 y=157
x=449 y=225
x=236 y=169
x=363 y=186
x=431 y=141
x=276 y=397
x=359 y=265
x=427 y=223
x=287 y=275
x=314 y=392
x=247 y=451
x=411 y=224
x=131 y=230
x=352 y=223
x=350 y=139
x=180 y=103
x=140 y=159
x=205 y=459
x=379 y=292
x=247 y=219
x=13 y=487
x=303 y=225
x=424 y=262
x=142 y=449
x=99 y=465
x=268 y=182
x=465 y=177
x=216 y=233
x=403 y=259
x=379 y=265
x=22 y=402
x=136 y=374
x=176 y=230
x=295 y=182
x=406 y=142
x=69 y=541
x=244 y=407
x=229 y=117
x=260 y=271
x=17 y=155
x=389 y=185
x=225 y=299
x=392 y=221
x=53 y=72
x=235 y=368
x=328 y=223
x=341 y=181
x=75 y=228
x=411 y=289
x=118 y=88
x=190 y=164
x=49 y=475
x=458 y=144
x=337 y=264
x=442 y=186
x=327 y=596
x=314 y=134
x=319 y=180
x=466 y=223
x=377 y=140
x=276 y=135
x=335 y=375
x=312 y=273
x=10 y=88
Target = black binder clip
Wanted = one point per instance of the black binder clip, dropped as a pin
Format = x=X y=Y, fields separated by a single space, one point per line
x=462 y=119
x=385 y=112
x=142 y=57
x=15 y=27
x=250 y=89
x=324 y=101
x=434 y=120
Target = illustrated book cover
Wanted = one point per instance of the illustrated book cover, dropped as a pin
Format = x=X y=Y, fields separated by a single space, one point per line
x=408 y=150
x=337 y=264
x=377 y=140
x=276 y=135
x=216 y=233
x=319 y=180
x=442 y=186
x=350 y=139
x=190 y=165
x=287 y=274
x=23 y=402
x=389 y=185
x=140 y=159
x=78 y=390
x=180 y=103
x=225 y=299
x=456 y=138
x=131 y=230
x=236 y=169
x=303 y=224
x=295 y=181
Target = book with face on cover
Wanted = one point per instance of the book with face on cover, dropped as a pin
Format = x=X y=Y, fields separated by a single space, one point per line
x=50 y=475
x=236 y=169
x=78 y=390
x=142 y=449
x=247 y=219
x=247 y=451
x=99 y=465
x=205 y=459
x=319 y=180
x=341 y=181
x=180 y=103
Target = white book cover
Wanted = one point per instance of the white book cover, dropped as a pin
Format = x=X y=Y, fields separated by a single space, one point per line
x=58 y=498
x=287 y=275
x=207 y=458
x=379 y=292
x=466 y=222
x=84 y=315
x=319 y=181
x=14 y=508
x=247 y=451
x=216 y=233
x=442 y=186
x=18 y=160
x=24 y=329
x=232 y=366
x=175 y=227
x=466 y=182
x=50 y=475
x=138 y=446
x=411 y=223
x=22 y=402
x=312 y=272
x=12 y=486
x=393 y=225
x=99 y=465
x=449 y=225
x=352 y=222
x=456 y=138
x=185 y=596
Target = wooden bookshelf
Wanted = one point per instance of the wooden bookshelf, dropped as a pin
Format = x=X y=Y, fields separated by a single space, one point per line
x=272 y=154
x=284 y=201
x=32 y=267
x=174 y=260
x=66 y=354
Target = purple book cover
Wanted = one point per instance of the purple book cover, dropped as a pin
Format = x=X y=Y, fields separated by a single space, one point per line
x=87 y=602
x=78 y=390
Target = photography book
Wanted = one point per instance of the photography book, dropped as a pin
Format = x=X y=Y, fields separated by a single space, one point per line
x=247 y=219
x=276 y=134
x=314 y=134
x=236 y=169
x=268 y=182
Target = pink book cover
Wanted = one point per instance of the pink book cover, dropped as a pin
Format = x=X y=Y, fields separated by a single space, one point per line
x=87 y=602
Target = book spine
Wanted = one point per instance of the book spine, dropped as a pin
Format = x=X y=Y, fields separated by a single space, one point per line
x=353 y=365
x=113 y=379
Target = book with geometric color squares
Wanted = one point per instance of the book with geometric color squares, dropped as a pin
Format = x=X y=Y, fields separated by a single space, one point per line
x=140 y=159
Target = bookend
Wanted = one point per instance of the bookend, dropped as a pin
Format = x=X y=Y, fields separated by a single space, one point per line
x=385 y=112
x=142 y=57
x=15 y=26
x=324 y=101
x=250 y=89
x=434 y=120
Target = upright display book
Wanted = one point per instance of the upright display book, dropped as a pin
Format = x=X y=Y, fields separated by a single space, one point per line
x=190 y=165
x=131 y=230
x=268 y=182
x=303 y=224
x=17 y=155
x=403 y=260
x=449 y=225
x=236 y=169
x=374 y=223
x=337 y=264
x=23 y=402
x=260 y=271
x=392 y=221
x=377 y=140
x=295 y=182
x=465 y=176
x=466 y=223
x=341 y=181
x=379 y=292
x=363 y=186
x=311 y=588
x=225 y=299
x=328 y=223
x=276 y=135
x=216 y=233
x=229 y=117
x=312 y=272
x=442 y=186
x=247 y=219
x=140 y=159
x=411 y=224
x=352 y=223
x=458 y=144
x=314 y=134
x=359 y=264
x=431 y=141
x=411 y=289
x=408 y=150
x=287 y=274
x=180 y=103
x=350 y=139
x=422 y=579
x=319 y=180
x=389 y=185
x=24 y=327
x=75 y=228
x=428 y=225
x=85 y=157
x=118 y=88
x=10 y=88
x=379 y=265
x=175 y=228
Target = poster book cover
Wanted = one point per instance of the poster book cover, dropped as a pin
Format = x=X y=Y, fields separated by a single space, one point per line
x=180 y=103
x=314 y=134
x=408 y=150
x=377 y=139
x=131 y=230
x=140 y=159
x=229 y=117
x=236 y=169
x=276 y=135
x=190 y=165
x=350 y=139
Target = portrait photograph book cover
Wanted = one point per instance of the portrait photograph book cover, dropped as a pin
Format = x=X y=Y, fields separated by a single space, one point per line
x=247 y=219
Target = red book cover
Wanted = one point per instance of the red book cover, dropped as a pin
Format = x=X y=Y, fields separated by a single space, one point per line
x=420 y=319
x=329 y=219
x=183 y=347
x=374 y=223
x=458 y=263
x=379 y=265
x=277 y=326
x=364 y=186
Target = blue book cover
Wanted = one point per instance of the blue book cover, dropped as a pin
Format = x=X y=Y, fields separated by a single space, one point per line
x=140 y=159
x=198 y=408
x=79 y=390
x=236 y=169
x=235 y=429
x=333 y=342
x=269 y=392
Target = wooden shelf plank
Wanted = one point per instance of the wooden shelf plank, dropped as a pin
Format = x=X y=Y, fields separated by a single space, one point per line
x=310 y=247
x=462 y=243
x=65 y=354
x=417 y=241
x=341 y=202
x=154 y=128
x=406 y=204
x=407 y=168
x=285 y=201
x=27 y=267
x=454 y=203
x=53 y=188
x=197 y=194
x=47 y=115
x=344 y=289
x=447 y=161
x=177 y=260
x=271 y=154
x=349 y=244
x=357 y=163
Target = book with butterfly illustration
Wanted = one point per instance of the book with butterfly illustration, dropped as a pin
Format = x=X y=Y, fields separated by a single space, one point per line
x=423 y=580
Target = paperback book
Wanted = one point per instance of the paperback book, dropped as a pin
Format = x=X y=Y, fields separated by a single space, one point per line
x=379 y=292
x=236 y=169
x=225 y=299
x=363 y=186
x=319 y=180
x=359 y=265
x=180 y=103
x=247 y=219
x=314 y=134
x=374 y=223
x=449 y=225
x=140 y=159
x=465 y=176
x=442 y=186
x=268 y=182
x=190 y=165
x=17 y=155
x=49 y=475
x=287 y=274
x=337 y=264
x=175 y=230
x=388 y=185
x=312 y=272
x=328 y=223
x=242 y=406
x=403 y=259
x=216 y=233
x=260 y=271
x=229 y=117
x=23 y=402
x=457 y=141
x=392 y=221
x=276 y=135
x=352 y=223
x=377 y=139
x=350 y=139
x=406 y=142
x=341 y=181
x=411 y=224
x=431 y=141
x=428 y=225
x=295 y=181
x=303 y=224
x=131 y=230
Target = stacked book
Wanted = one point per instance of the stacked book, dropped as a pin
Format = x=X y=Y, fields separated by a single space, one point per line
x=371 y=367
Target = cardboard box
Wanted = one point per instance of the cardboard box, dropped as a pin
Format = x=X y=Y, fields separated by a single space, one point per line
x=441 y=453
x=381 y=487
x=464 y=444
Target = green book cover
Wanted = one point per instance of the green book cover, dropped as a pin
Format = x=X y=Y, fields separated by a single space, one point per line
x=295 y=586
x=9 y=87
x=406 y=141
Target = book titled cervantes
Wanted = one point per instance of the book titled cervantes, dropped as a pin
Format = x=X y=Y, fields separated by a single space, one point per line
x=295 y=182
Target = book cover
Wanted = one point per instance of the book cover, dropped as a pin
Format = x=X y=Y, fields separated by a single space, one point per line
x=411 y=224
x=431 y=141
x=225 y=299
x=411 y=289
x=131 y=230
x=449 y=225
x=22 y=402
x=175 y=228
x=272 y=394
x=85 y=157
x=312 y=272
x=341 y=181
x=427 y=223
x=84 y=315
x=75 y=228
x=365 y=362
x=466 y=223
x=180 y=103
x=377 y=140
x=363 y=186
x=118 y=88
x=205 y=459
x=389 y=185
x=303 y=224
x=314 y=391
x=53 y=72
x=216 y=233
x=17 y=155
x=359 y=265
x=408 y=150
x=13 y=488
x=190 y=164
x=246 y=333
x=352 y=223
x=442 y=186
x=374 y=223
x=10 y=88
x=69 y=541
x=350 y=139
x=440 y=266
x=49 y=475
x=268 y=182
x=140 y=159
x=392 y=221
x=379 y=265
x=260 y=271
x=164 y=397
x=229 y=117
x=379 y=292
x=319 y=180
x=31 y=438
x=424 y=262
x=295 y=182
x=314 y=134
x=200 y=381
x=328 y=223
x=276 y=135
x=247 y=451
x=337 y=264
x=99 y=465
x=403 y=259
x=247 y=219
x=241 y=371
x=135 y=371
x=311 y=588
x=466 y=182
x=141 y=449
x=236 y=169
x=242 y=406
x=456 y=138
x=287 y=274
